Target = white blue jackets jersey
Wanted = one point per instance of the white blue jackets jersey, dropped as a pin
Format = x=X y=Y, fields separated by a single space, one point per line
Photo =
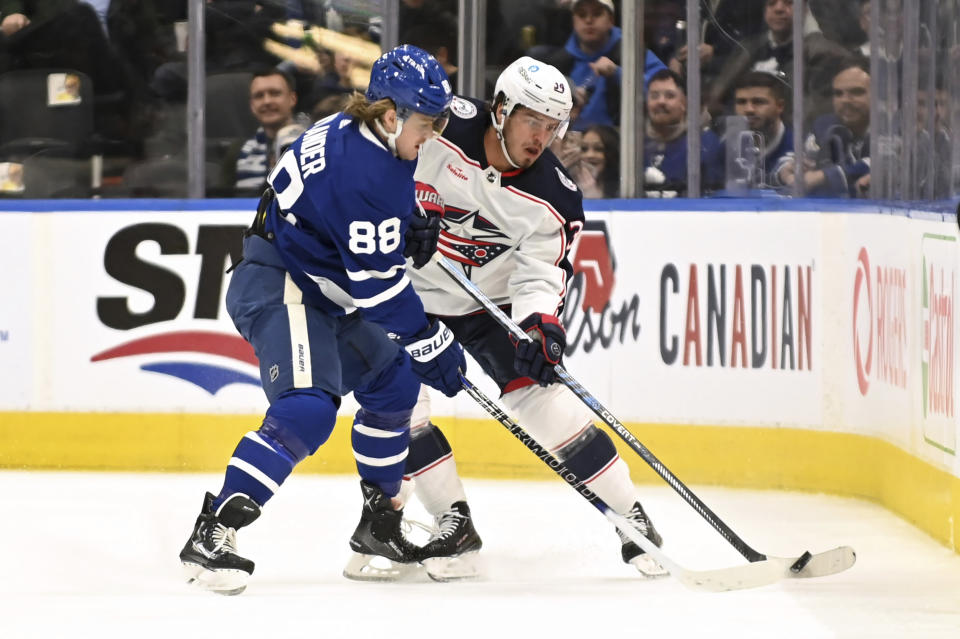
x=343 y=205
x=510 y=231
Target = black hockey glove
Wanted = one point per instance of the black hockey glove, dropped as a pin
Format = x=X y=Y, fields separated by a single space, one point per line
x=436 y=358
x=424 y=230
x=537 y=358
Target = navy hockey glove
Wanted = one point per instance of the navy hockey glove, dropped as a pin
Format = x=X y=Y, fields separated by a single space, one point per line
x=436 y=358
x=536 y=358
x=424 y=230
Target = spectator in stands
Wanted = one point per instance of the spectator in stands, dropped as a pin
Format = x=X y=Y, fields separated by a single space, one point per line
x=665 y=146
x=724 y=25
x=838 y=160
x=591 y=58
x=842 y=21
x=338 y=80
x=438 y=37
x=234 y=31
x=59 y=33
x=772 y=51
x=762 y=98
x=597 y=172
x=272 y=100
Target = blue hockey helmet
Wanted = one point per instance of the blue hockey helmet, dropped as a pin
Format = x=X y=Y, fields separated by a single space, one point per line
x=415 y=81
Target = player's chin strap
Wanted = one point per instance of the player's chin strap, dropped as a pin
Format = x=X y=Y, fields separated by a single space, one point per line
x=391 y=138
x=503 y=142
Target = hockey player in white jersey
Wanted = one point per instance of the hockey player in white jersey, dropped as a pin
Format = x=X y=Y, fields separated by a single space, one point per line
x=511 y=215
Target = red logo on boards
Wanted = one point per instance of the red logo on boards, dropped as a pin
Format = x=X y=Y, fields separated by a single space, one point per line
x=879 y=323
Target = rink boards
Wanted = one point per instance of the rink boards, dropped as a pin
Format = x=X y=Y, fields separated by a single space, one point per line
x=754 y=343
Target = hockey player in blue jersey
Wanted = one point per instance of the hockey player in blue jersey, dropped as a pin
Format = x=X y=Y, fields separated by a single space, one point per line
x=323 y=296
x=511 y=215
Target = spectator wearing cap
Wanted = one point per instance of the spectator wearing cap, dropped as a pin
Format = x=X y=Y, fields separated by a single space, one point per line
x=272 y=100
x=591 y=58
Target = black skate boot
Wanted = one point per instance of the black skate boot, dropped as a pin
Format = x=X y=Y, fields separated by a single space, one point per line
x=450 y=553
x=209 y=557
x=382 y=553
x=634 y=554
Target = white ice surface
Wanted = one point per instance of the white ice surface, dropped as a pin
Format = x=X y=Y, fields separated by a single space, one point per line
x=95 y=555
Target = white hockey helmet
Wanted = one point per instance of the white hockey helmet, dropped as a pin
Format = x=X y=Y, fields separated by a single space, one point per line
x=537 y=86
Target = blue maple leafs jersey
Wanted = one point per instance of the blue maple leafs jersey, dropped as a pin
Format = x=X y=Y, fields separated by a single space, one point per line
x=343 y=205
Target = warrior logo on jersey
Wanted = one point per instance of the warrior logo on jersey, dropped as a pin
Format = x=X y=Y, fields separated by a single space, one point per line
x=469 y=238
x=592 y=315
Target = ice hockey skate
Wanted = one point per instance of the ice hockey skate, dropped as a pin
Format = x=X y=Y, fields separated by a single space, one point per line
x=451 y=553
x=210 y=559
x=381 y=552
x=635 y=555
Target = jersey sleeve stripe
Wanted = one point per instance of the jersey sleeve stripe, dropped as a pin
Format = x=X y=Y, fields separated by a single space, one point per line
x=390 y=293
x=362 y=276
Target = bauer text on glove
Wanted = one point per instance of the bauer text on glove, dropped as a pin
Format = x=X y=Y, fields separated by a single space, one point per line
x=436 y=358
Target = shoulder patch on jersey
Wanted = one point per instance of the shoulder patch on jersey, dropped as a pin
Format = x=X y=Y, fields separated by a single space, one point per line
x=564 y=180
x=463 y=109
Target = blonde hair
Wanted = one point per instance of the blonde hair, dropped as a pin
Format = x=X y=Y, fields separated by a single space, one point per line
x=359 y=107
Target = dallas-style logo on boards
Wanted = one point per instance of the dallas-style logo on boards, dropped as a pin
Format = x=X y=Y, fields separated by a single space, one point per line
x=775 y=330
x=215 y=244
x=879 y=324
x=591 y=315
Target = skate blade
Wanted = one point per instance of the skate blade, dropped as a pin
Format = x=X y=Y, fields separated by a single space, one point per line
x=362 y=567
x=457 y=568
x=648 y=567
x=222 y=582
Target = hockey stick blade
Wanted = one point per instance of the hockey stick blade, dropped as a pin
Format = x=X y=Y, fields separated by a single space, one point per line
x=752 y=575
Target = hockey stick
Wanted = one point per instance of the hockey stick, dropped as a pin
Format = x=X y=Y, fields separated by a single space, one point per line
x=704 y=511
x=759 y=573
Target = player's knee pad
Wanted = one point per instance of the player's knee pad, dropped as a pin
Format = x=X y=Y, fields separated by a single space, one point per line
x=552 y=415
x=300 y=421
x=427 y=447
x=380 y=444
x=588 y=454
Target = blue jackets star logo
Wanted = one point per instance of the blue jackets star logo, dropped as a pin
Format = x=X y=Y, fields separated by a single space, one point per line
x=468 y=238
